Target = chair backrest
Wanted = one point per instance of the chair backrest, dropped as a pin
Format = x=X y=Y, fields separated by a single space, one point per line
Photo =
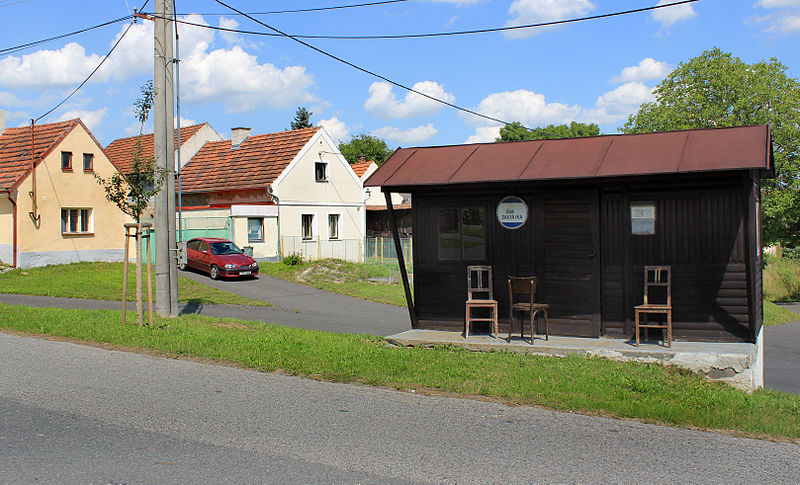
x=479 y=281
x=521 y=285
x=658 y=285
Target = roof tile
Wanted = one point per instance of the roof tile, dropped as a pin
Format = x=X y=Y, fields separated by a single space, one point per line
x=120 y=151
x=15 y=149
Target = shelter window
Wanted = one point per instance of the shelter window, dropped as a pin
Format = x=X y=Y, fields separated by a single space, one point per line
x=76 y=221
x=320 y=171
x=66 y=160
x=462 y=234
x=643 y=218
x=308 y=226
x=88 y=162
x=255 y=229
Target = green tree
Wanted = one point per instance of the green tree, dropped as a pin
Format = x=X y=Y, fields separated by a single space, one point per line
x=363 y=145
x=516 y=131
x=716 y=89
x=302 y=119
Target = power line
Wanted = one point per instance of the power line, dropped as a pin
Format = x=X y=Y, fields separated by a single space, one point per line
x=9 y=50
x=94 y=71
x=338 y=7
x=435 y=34
x=317 y=49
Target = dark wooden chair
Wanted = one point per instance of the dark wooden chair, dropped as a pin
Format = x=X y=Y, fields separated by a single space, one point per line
x=480 y=295
x=521 y=293
x=656 y=279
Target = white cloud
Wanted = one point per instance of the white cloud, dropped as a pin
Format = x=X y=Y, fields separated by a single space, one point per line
x=484 y=134
x=784 y=20
x=616 y=105
x=230 y=37
x=10 y=99
x=670 y=15
x=457 y=2
x=47 y=68
x=91 y=119
x=336 y=128
x=527 y=107
x=778 y=3
x=412 y=136
x=184 y=122
x=539 y=11
x=383 y=104
x=648 y=68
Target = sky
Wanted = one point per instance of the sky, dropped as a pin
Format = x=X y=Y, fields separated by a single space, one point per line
x=597 y=71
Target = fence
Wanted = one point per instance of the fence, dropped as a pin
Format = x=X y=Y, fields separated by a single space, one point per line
x=380 y=249
x=347 y=249
x=213 y=226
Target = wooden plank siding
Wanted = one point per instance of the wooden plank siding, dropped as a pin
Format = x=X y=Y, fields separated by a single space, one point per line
x=578 y=242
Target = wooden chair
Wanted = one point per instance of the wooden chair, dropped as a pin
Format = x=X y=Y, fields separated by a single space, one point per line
x=517 y=287
x=476 y=286
x=656 y=277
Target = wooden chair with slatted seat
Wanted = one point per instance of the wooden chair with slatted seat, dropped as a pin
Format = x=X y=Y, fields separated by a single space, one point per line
x=656 y=279
x=521 y=293
x=480 y=295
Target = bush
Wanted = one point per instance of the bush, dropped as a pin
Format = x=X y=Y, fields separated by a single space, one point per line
x=293 y=259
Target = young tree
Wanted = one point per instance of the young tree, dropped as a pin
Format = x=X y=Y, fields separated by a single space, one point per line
x=363 y=145
x=302 y=119
x=131 y=192
x=716 y=89
x=516 y=132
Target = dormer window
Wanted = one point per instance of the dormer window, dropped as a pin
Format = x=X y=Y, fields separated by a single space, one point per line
x=321 y=171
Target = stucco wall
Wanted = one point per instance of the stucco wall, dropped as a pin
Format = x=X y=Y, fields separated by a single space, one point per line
x=376 y=197
x=57 y=189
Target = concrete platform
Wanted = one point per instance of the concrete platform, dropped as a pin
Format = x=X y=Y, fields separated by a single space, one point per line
x=736 y=363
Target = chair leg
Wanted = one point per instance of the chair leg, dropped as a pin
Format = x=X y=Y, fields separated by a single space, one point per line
x=533 y=326
x=466 y=324
x=637 y=328
x=495 y=322
x=669 y=329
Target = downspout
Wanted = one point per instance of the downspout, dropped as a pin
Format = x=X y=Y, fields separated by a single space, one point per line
x=277 y=201
x=34 y=213
x=14 y=218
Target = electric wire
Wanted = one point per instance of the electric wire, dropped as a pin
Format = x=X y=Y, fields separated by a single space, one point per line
x=10 y=50
x=94 y=71
x=435 y=34
x=303 y=10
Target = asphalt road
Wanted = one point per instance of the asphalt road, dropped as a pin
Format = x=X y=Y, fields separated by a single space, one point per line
x=782 y=355
x=78 y=414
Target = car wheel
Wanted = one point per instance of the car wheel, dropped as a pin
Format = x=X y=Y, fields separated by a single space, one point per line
x=182 y=266
x=214 y=272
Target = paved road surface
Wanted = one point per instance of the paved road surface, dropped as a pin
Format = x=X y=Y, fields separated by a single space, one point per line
x=79 y=414
x=782 y=355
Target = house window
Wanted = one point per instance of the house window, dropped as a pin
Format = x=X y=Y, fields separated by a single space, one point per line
x=308 y=226
x=321 y=171
x=66 y=160
x=255 y=229
x=76 y=221
x=462 y=234
x=333 y=226
x=88 y=162
x=643 y=218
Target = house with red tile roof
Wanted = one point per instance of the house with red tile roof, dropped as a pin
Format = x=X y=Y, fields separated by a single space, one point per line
x=377 y=222
x=52 y=210
x=192 y=139
x=284 y=192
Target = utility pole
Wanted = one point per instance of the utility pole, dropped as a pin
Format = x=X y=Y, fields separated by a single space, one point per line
x=164 y=151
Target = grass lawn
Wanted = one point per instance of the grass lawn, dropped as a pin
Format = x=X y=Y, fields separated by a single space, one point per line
x=103 y=281
x=368 y=281
x=776 y=315
x=646 y=392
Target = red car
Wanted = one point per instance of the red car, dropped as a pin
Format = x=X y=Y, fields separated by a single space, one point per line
x=218 y=257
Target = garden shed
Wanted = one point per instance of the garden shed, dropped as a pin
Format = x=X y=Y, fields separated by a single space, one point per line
x=596 y=211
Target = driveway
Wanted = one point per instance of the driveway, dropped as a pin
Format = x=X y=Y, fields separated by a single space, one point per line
x=782 y=354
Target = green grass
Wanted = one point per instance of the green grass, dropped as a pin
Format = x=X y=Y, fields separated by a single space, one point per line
x=103 y=281
x=646 y=392
x=345 y=278
x=776 y=315
x=782 y=279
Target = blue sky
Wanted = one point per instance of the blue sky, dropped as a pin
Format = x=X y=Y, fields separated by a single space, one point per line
x=593 y=71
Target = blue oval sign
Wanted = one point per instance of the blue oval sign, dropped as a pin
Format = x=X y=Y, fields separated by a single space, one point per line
x=512 y=212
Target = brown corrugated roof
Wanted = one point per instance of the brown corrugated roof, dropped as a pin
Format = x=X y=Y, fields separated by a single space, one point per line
x=15 y=149
x=360 y=167
x=601 y=156
x=257 y=162
x=120 y=151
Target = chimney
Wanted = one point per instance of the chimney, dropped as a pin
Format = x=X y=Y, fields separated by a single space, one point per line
x=2 y=121
x=362 y=158
x=239 y=135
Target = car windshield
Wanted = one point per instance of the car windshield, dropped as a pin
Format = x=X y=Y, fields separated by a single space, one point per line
x=226 y=247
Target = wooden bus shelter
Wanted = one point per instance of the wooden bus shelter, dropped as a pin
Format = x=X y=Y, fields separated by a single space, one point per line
x=599 y=209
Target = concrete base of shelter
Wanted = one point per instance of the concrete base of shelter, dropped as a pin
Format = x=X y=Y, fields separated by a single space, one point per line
x=735 y=363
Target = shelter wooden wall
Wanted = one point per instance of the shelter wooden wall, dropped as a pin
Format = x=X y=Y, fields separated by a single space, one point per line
x=578 y=242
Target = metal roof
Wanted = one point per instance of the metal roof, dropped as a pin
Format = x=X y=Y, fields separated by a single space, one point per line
x=716 y=149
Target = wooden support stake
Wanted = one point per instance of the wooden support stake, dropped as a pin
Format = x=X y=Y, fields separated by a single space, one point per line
x=125 y=276
x=149 y=276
